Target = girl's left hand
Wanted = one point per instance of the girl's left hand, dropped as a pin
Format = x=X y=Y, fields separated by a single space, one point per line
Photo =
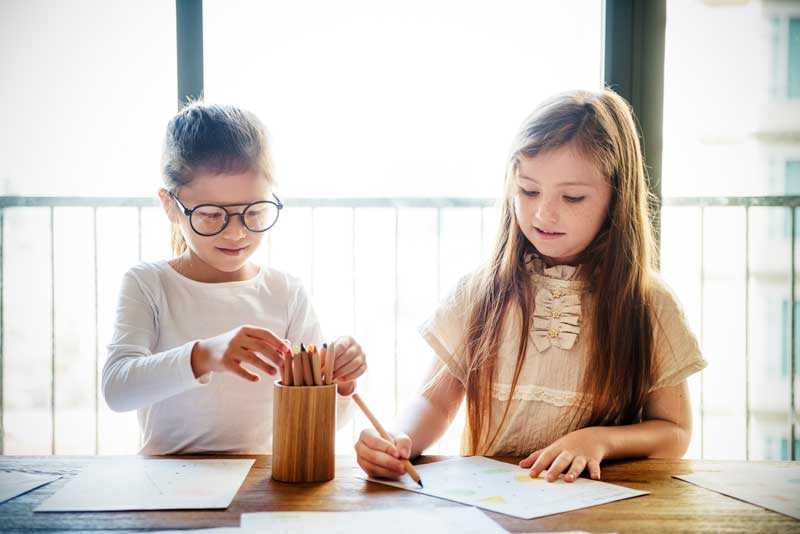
x=350 y=363
x=574 y=453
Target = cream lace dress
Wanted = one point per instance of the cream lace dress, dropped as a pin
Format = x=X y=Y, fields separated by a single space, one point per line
x=546 y=395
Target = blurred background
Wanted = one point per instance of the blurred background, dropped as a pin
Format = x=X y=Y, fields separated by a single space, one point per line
x=390 y=125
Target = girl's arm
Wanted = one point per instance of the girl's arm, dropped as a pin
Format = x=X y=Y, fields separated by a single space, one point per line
x=426 y=418
x=423 y=421
x=134 y=377
x=665 y=432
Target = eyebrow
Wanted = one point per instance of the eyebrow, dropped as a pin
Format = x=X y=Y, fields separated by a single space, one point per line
x=585 y=184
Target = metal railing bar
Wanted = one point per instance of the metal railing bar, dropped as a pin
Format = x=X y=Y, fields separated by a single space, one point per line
x=96 y=283
x=747 y=332
x=52 y=332
x=792 y=340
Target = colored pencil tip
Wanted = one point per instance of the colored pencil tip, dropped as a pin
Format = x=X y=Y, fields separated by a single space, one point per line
x=420 y=484
x=324 y=345
x=302 y=348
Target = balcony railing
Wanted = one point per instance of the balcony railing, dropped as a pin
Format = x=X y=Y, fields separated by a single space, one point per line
x=400 y=255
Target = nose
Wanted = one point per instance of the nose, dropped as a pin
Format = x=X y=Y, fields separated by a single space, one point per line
x=235 y=228
x=546 y=211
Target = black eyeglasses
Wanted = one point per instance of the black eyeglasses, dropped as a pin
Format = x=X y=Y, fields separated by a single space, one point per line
x=211 y=219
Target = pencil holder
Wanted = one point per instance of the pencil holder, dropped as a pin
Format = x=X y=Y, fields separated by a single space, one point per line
x=304 y=431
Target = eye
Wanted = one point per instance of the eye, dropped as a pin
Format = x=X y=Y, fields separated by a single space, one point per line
x=528 y=193
x=573 y=200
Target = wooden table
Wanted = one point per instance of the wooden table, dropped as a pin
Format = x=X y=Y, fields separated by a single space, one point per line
x=672 y=506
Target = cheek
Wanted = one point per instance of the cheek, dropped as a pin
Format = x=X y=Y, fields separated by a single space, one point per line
x=591 y=218
x=520 y=208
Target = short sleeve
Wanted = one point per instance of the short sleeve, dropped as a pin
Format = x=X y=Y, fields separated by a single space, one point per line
x=444 y=330
x=677 y=354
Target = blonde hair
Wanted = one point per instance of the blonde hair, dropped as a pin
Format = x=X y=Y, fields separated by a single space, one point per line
x=213 y=138
x=616 y=265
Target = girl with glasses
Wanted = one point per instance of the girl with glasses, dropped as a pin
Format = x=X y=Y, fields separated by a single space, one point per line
x=197 y=337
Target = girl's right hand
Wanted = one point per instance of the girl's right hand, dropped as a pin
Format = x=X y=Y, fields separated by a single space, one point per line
x=381 y=459
x=227 y=352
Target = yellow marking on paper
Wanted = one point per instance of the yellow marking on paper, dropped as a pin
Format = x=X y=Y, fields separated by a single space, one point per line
x=497 y=499
x=526 y=478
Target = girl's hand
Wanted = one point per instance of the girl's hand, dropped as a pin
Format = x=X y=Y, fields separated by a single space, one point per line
x=350 y=363
x=379 y=458
x=227 y=352
x=574 y=453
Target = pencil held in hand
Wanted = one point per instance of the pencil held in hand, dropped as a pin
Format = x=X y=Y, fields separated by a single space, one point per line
x=286 y=370
x=297 y=368
x=385 y=435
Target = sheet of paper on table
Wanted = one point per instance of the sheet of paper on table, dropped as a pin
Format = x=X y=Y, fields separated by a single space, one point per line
x=454 y=519
x=507 y=488
x=150 y=484
x=772 y=487
x=14 y=483
x=445 y=520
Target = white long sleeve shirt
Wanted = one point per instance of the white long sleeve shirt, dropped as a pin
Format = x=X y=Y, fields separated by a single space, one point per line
x=160 y=316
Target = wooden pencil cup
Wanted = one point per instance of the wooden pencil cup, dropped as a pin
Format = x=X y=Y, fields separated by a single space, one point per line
x=304 y=431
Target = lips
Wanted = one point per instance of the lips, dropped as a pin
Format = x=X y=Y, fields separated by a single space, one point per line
x=544 y=234
x=232 y=251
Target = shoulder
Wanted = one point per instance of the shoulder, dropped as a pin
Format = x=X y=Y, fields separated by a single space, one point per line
x=468 y=286
x=283 y=284
x=147 y=275
x=663 y=299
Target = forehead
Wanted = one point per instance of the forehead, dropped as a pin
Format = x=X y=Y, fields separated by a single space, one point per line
x=563 y=165
x=226 y=188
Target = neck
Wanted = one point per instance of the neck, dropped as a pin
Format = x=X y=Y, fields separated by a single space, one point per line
x=192 y=267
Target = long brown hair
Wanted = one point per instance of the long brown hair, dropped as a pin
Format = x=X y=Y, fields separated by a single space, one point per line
x=214 y=138
x=616 y=267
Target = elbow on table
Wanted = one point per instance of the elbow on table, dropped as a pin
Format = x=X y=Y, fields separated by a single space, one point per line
x=676 y=445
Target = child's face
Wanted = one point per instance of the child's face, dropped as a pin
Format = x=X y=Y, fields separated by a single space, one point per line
x=228 y=251
x=561 y=202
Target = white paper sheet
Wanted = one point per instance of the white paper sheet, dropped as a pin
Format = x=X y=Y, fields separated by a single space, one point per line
x=14 y=483
x=507 y=488
x=455 y=519
x=773 y=487
x=150 y=484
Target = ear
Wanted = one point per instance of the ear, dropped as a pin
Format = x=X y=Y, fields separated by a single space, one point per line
x=168 y=205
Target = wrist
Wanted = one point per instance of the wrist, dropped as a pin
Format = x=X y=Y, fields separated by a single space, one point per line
x=199 y=360
x=345 y=389
x=601 y=437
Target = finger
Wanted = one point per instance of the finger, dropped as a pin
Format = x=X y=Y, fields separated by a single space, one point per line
x=375 y=442
x=543 y=461
x=237 y=369
x=257 y=362
x=380 y=458
x=277 y=343
x=256 y=345
x=403 y=444
x=377 y=471
x=594 y=469
x=578 y=465
x=558 y=466
x=349 y=367
x=527 y=462
x=352 y=376
x=346 y=357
